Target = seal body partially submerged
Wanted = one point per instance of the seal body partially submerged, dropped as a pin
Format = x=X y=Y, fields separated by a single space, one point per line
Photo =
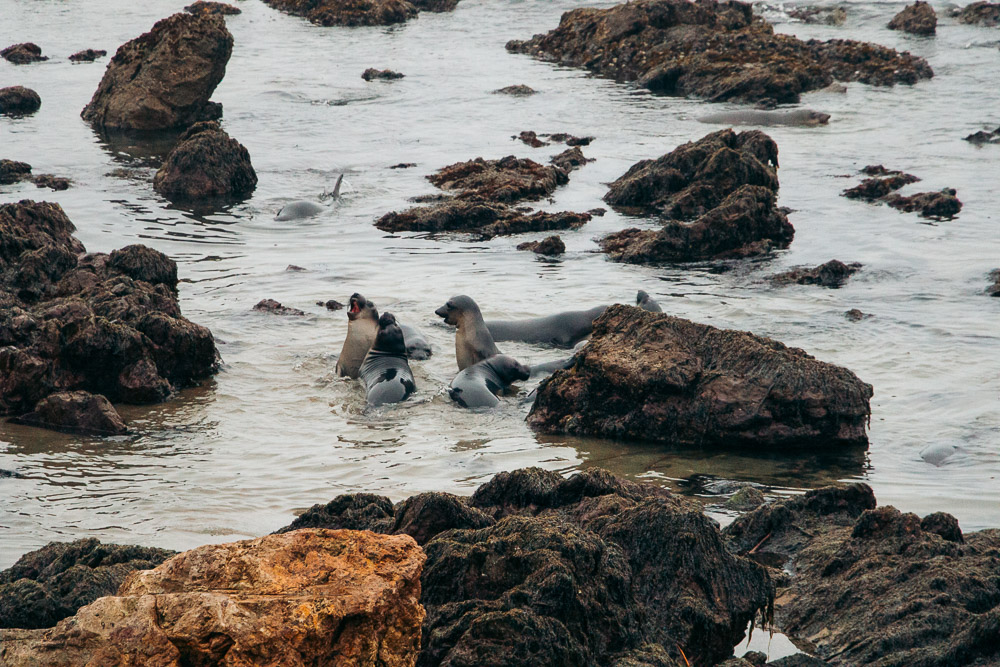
x=385 y=371
x=303 y=208
x=417 y=347
x=362 y=327
x=473 y=342
x=766 y=118
x=646 y=302
x=479 y=385
x=562 y=329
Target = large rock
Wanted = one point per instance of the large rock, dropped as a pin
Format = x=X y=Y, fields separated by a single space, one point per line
x=12 y=171
x=22 y=54
x=206 y=163
x=654 y=377
x=918 y=19
x=714 y=50
x=75 y=412
x=310 y=597
x=348 y=12
x=19 y=101
x=832 y=274
x=981 y=13
x=107 y=324
x=163 y=78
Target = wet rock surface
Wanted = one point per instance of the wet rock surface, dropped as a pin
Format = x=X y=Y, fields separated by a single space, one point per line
x=917 y=19
x=549 y=246
x=107 y=324
x=649 y=376
x=306 y=597
x=856 y=315
x=819 y=15
x=570 y=159
x=88 y=55
x=939 y=205
x=75 y=412
x=45 y=586
x=348 y=12
x=208 y=7
x=872 y=189
x=981 y=13
x=23 y=54
x=518 y=90
x=206 y=164
x=163 y=79
x=994 y=289
x=12 y=171
x=716 y=51
x=983 y=137
x=529 y=138
x=51 y=182
x=372 y=74
x=19 y=101
x=272 y=306
x=831 y=274
x=883 y=184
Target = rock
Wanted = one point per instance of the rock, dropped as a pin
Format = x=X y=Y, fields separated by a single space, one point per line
x=530 y=138
x=163 y=78
x=856 y=315
x=981 y=13
x=206 y=163
x=918 y=19
x=358 y=511
x=570 y=159
x=403 y=165
x=22 y=54
x=983 y=137
x=427 y=515
x=295 y=268
x=520 y=90
x=939 y=205
x=716 y=51
x=711 y=485
x=872 y=189
x=272 y=306
x=552 y=245
x=10 y=474
x=208 y=7
x=348 y=12
x=52 y=182
x=570 y=140
x=994 y=289
x=435 y=5
x=18 y=101
x=45 y=586
x=104 y=324
x=832 y=274
x=747 y=498
x=371 y=74
x=650 y=376
x=484 y=220
x=944 y=525
x=819 y=15
x=88 y=55
x=331 y=304
x=75 y=412
x=307 y=597
x=597 y=212
x=12 y=171
x=507 y=180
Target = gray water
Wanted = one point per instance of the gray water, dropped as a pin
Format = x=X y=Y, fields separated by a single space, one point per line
x=276 y=431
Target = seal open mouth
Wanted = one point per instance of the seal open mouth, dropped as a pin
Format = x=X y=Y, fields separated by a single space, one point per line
x=356 y=301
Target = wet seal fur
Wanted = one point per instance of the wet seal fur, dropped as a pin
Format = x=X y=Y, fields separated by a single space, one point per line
x=417 y=347
x=646 y=302
x=362 y=327
x=562 y=329
x=298 y=210
x=385 y=371
x=766 y=118
x=473 y=341
x=479 y=385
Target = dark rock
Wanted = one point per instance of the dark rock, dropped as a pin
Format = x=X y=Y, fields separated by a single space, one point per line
x=879 y=170
x=798 y=660
x=981 y=13
x=47 y=585
x=597 y=212
x=552 y=245
x=206 y=163
x=295 y=268
x=876 y=188
x=994 y=289
x=520 y=90
x=716 y=51
x=371 y=74
x=358 y=511
x=650 y=376
x=856 y=315
x=435 y=5
x=507 y=180
x=331 y=304
x=22 y=54
x=12 y=171
x=944 y=525
x=483 y=219
x=348 y=12
x=570 y=159
x=982 y=137
x=403 y=165
x=18 y=101
x=819 y=15
x=711 y=485
x=75 y=412
x=88 y=55
x=10 y=474
x=163 y=78
x=570 y=140
x=940 y=205
x=424 y=516
x=530 y=138
x=272 y=306
x=832 y=274
x=918 y=19
x=747 y=498
x=209 y=7
x=143 y=263
x=50 y=181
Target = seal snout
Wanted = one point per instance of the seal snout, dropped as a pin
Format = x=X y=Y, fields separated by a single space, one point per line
x=387 y=320
x=442 y=311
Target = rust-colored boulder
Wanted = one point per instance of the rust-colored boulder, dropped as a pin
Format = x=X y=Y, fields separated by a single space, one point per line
x=650 y=376
x=206 y=164
x=19 y=101
x=22 y=54
x=917 y=19
x=76 y=412
x=348 y=12
x=163 y=78
x=308 y=597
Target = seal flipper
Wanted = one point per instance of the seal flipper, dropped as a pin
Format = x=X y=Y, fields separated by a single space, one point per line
x=336 y=188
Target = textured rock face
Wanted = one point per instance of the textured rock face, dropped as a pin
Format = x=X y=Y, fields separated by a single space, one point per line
x=549 y=246
x=918 y=19
x=88 y=55
x=981 y=13
x=654 y=377
x=206 y=163
x=163 y=78
x=833 y=274
x=884 y=182
x=208 y=7
x=349 y=12
x=18 y=101
x=994 y=289
x=713 y=50
x=22 y=54
x=308 y=597
x=75 y=412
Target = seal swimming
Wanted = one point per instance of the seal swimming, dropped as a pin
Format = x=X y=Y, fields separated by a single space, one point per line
x=417 y=347
x=646 y=302
x=297 y=210
x=385 y=372
x=362 y=327
x=795 y=117
x=473 y=342
x=562 y=329
x=479 y=385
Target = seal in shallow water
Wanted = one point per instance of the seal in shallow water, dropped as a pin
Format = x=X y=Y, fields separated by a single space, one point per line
x=562 y=329
x=795 y=117
x=646 y=302
x=479 y=385
x=298 y=210
x=385 y=371
x=473 y=342
x=362 y=326
x=417 y=347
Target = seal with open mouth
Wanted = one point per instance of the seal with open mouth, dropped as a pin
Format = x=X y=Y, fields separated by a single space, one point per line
x=362 y=326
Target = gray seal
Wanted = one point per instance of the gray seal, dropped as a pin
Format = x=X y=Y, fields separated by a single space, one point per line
x=795 y=117
x=473 y=342
x=417 y=347
x=385 y=371
x=301 y=209
x=479 y=385
x=646 y=302
x=562 y=329
x=362 y=327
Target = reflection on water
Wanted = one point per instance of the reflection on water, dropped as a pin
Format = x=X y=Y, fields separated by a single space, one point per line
x=277 y=431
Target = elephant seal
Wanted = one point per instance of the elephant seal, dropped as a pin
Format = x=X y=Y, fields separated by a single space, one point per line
x=298 y=210
x=646 y=302
x=795 y=117
x=362 y=327
x=562 y=329
x=479 y=385
x=385 y=372
x=473 y=342
x=417 y=347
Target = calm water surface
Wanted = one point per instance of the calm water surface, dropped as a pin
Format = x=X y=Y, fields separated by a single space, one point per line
x=277 y=431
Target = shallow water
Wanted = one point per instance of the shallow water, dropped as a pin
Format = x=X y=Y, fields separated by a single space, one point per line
x=276 y=431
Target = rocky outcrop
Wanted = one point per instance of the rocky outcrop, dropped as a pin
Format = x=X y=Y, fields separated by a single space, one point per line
x=52 y=182
x=883 y=184
x=107 y=324
x=18 y=101
x=371 y=74
x=45 y=586
x=819 y=15
x=983 y=137
x=570 y=159
x=23 y=54
x=163 y=78
x=518 y=90
x=833 y=274
x=981 y=13
x=209 y=7
x=12 y=171
x=714 y=50
x=349 y=12
x=917 y=19
x=206 y=164
x=272 y=306
x=309 y=597
x=75 y=412
x=88 y=55
x=549 y=246
x=650 y=376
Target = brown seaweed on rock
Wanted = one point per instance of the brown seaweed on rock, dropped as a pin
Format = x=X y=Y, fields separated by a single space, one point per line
x=359 y=12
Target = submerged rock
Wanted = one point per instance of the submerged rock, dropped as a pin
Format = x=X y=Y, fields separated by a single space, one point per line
x=23 y=54
x=983 y=137
x=519 y=90
x=306 y=597
x=163 y=78
x=52 y=182
x=856 y=315
x=531 y=139
x=552 y=245
x=918 y=19
x=570 y=159
x=371 y=74
x=832 y=274
x=716 y=51
x=994 y=289
x=206 y=163
x=981 y=13
x=12 y=171
x=19 y=101
x=650 y=376
x=940 y=205
x=348 y=12
x=88 y=55
x=75 y=412
x=886 y=181
x=209 y=7
x=272 y=306
x=819 y=15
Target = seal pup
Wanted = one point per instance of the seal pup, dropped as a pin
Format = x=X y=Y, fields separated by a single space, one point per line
x=473 y=342
x=795 y=117
x=384 y=371
x=362 y=326
x=298 y=210
x=417 y=347
x=646 y=302
x=562 y=329
x=479 y=385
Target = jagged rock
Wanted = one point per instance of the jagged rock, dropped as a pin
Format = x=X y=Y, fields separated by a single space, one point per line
x=272 y=306
x=507 y=180
x=856 y=315
x=163 y=78
x=819 y=15
x=650 y=376
x=716 y=51
x=22 y=54
x=872 y=189
x=983 y=137
x=435 y=5
x=206 y=163
x=424 y=516
x=348 y=12
x=747 y=498
x=942 y=205
x=52 y=182
x=981 y=13
x=307 y=597
x=88 y=55
x=570 y=159
x=19 y=101
x=483 y=219
x=531 y=139
x=832 y=274
x=209 y=7
x=371 y=74
x=519 y=90
x=569 y=139
x=12 y=171
x=75 y=412
x=918 y=19
x=552 y=245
